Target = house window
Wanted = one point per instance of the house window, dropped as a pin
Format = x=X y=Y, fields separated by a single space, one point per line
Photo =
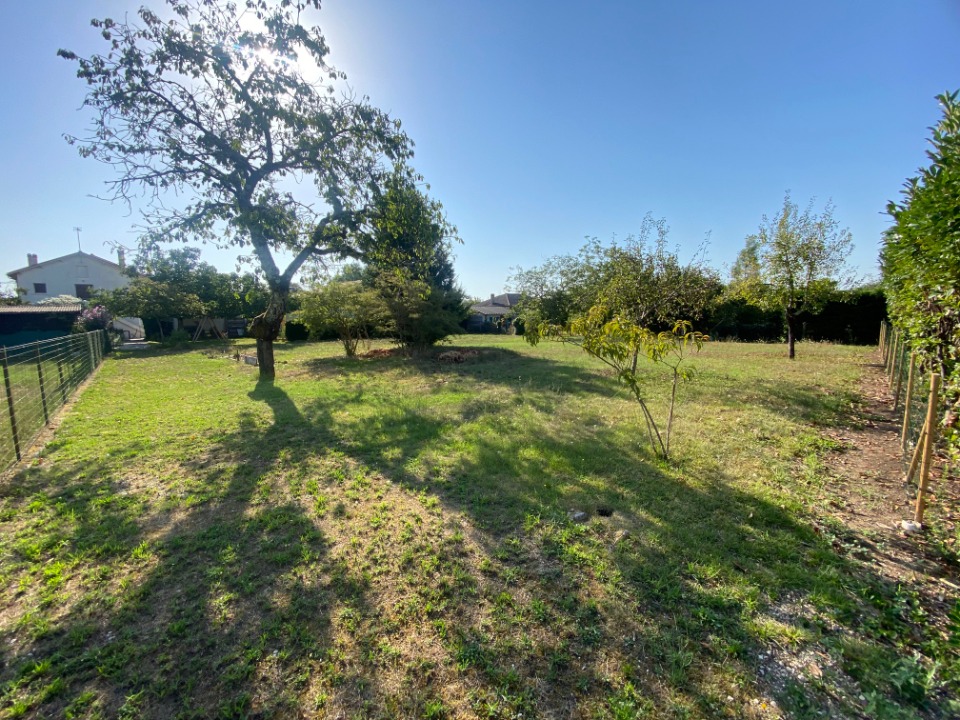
x=83 y=291
x=39 y=287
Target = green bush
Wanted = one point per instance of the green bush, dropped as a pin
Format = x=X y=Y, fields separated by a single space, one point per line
x=921 y=262
x=296 y=332
x=177 y=338
x=852 y=318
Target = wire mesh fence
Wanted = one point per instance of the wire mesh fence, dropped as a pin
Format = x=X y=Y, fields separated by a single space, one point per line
x=908 y=384
x=39 y=378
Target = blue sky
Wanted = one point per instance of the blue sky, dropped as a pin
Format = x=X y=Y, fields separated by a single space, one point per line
x=539 y=123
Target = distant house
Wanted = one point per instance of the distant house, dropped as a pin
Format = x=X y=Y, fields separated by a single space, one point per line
x=77 y=274
x=21 y=324
x=491 y=313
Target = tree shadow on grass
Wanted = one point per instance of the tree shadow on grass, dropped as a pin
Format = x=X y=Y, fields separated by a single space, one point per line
x=716 y=572
x=196 y=616
x=796 y=401
x=356 y=555
x=513 y=370
x=696 y=572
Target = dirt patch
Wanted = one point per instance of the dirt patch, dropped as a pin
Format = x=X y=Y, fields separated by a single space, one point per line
x=378 y=353
x=870 y=499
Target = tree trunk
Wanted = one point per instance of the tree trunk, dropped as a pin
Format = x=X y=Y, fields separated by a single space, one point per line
x=266 y=328
x=791 y=334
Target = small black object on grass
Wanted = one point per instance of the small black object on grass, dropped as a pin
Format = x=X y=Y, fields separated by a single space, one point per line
x=604 y=511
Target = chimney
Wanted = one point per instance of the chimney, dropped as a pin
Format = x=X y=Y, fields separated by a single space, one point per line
x=492 y=296
x=121 y=258
x=31 y=259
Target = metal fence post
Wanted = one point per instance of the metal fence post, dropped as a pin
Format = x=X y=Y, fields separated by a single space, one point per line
x=13 y=415
x=43 y=390
x=63 y=389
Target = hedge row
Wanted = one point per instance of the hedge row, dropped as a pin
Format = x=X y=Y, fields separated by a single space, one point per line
x=921 y=262
x=853 y=318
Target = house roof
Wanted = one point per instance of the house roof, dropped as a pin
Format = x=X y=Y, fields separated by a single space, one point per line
x=39 y=309
x=497 y=304
x=87 y=256
x=488 y=309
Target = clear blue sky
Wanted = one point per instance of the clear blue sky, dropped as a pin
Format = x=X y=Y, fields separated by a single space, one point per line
x=538 y=123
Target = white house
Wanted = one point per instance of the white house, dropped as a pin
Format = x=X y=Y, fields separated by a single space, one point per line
x=77 y=274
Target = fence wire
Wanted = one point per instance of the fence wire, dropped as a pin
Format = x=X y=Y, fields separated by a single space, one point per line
x=911 y=390
x=38 y=379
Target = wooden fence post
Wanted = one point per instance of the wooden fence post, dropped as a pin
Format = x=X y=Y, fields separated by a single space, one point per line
x=906 y=402
x=893 y=355
x=886 y=354
x=13 y=414
x=931 y=439
x=915 y=458
x=896 y=393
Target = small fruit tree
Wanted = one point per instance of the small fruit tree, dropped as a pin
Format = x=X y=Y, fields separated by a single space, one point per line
x=616 y=341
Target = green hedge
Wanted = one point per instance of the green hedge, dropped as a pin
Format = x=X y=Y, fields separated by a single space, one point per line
x=921 y=262
x=853 y=318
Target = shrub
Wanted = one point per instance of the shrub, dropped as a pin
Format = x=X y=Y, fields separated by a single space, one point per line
x=296 y=332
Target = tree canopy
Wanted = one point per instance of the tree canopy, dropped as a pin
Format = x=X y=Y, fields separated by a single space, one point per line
x=411 y=267
x=640 y=280
x=225 y=105
x=223 y=295
x=794 y=263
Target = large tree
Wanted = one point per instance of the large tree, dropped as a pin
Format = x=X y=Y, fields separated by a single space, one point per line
x=408 y=250
x=226 y=106
x=794 y=263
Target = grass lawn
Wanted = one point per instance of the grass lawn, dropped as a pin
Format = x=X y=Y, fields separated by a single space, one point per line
x=391 y=538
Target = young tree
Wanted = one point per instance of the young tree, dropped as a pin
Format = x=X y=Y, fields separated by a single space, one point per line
x=617 y=341
x=794 y=263
x=352 y=311
x=215 y=104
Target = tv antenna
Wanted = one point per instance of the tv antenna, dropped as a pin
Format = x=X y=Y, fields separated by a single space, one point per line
x=77 y=230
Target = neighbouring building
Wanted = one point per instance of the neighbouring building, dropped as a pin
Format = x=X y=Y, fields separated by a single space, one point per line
x=491 y=313
x=77 y=274
x=21 y=324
